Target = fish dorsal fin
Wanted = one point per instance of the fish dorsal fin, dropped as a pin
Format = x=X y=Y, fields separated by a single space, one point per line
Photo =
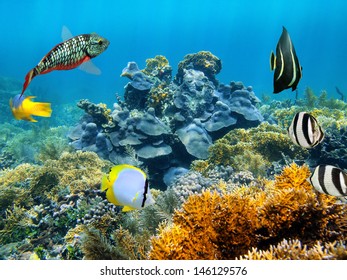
x=66 y=33
x=90 y=68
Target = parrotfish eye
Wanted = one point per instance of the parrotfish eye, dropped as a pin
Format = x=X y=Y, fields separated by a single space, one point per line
x=100 y=42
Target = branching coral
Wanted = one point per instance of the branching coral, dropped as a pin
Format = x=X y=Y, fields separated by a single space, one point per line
x=95 y=246
x=37 y=144
x=226 y=226
x=295 y=250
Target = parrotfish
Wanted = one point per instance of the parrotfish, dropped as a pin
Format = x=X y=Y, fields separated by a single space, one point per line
x=305 y=131
x=23 y=108
x=288 y=70
x=127 y=186
x=68 y=55
x=330 y=180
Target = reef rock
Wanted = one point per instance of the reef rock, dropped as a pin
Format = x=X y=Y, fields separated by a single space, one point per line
x=151 y=151
x=203 y=61
x=221 y=118
x=195 y=139
x=167 y=122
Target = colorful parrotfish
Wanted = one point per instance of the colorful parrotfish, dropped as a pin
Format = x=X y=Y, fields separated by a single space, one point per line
x=68 y=55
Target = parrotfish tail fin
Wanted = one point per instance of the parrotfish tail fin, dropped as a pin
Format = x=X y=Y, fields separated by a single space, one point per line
x=32 y=73
x=42 y=109
x=272 y=61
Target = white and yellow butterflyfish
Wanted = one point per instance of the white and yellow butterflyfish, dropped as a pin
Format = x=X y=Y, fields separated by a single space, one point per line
x=127 y=186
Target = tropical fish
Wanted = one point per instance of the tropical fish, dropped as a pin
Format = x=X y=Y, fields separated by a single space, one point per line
x=127 y=186
x=330 y=180
x=288 y=70
x=68 y=55
x=23 y=108
x=305 y=131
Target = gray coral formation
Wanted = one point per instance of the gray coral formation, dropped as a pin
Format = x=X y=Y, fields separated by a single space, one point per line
x=167 y=123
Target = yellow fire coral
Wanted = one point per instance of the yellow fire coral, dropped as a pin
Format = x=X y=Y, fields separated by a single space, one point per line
x=253 y=149
x=294 y=250
x=225 y=226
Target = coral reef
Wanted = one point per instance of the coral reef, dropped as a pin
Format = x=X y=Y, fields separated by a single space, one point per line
x=333 y=150
x=158 y=67
x=330 y=114
x=31 y=146
x=203 y=61
x=44 y=202
x=294 y=250
x=254 y=149
x=168 y=123
x=225 y=226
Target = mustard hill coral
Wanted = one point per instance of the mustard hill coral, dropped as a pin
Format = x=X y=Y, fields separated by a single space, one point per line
x=253 y=149
x=225 y=226
x=203 y=61
x=158 y=97
x=158 y=67
x=101 y=114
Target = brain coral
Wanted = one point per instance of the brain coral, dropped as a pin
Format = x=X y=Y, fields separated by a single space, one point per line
x=225 y=226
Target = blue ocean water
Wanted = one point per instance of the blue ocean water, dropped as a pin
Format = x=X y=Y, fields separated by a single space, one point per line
x=241 y=33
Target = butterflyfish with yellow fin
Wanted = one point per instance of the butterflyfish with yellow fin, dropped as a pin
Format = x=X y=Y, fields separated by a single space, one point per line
x=127 y=186
x=23 y=108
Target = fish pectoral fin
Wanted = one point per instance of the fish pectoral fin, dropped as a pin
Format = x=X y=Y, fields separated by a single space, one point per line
x=127 y=208
x=272 y=61
x=90 y=68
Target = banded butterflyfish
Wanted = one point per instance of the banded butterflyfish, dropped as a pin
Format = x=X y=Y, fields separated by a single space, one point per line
x=330 y=180
x=305 y=131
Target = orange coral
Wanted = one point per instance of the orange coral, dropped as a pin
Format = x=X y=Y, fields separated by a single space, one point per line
x=225 y=226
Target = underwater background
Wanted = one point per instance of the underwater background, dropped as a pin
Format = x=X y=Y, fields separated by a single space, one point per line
x=241 y=34
x=200 y=119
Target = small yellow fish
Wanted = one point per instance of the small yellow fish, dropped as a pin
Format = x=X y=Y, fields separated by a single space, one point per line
x=23 y=108
x=127 y=186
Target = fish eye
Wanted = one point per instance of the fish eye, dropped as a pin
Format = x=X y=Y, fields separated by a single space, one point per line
x=100 y=42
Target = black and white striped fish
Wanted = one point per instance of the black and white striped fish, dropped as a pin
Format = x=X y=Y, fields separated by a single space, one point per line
x=330 y=180
x=305 y=131
x=288 y=70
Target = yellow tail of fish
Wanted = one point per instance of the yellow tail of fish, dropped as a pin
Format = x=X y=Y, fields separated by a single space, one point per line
x=42 y=109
